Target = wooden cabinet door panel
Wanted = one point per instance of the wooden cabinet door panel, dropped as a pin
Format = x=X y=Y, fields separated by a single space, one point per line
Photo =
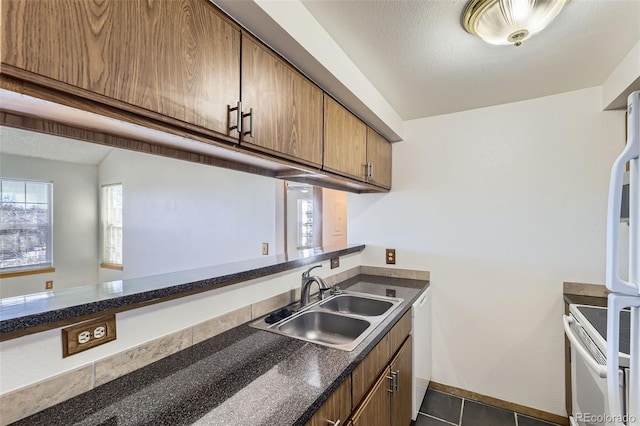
x=379 y=156
x=367 y=371
x=179 y=58
x=399 y=332
x=375 y=410
x=287 y=107
x=337 y=407
x=402 y=368
x=345 y=141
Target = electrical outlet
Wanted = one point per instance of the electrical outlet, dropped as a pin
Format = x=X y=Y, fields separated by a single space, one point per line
x=391 y=256
x=265 y=249
x=48 y=285
x=335 y=262
x=88 y=334
x=84 y=337
x=100 y=332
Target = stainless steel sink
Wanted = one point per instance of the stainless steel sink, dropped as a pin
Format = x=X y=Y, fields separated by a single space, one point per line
x=341 y=321
x=357 y=305
x=325 y=327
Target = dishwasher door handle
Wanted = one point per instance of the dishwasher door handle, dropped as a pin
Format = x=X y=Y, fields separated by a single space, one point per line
x=600 y=370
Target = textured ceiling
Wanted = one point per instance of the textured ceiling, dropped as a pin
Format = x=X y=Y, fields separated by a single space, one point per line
x=39 y=145
x=419 y=57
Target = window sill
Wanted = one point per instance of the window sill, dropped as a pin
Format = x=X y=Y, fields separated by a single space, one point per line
x=111 y=266
x=26 y=272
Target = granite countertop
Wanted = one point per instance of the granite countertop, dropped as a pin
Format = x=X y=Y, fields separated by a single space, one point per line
x=243 y=377
x=38 y=310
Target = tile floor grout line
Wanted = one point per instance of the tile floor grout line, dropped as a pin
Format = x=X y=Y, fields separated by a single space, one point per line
x=461 y=411
x=437 y=418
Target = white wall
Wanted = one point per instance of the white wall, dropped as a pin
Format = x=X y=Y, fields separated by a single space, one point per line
x=501 y=204
x=180 y=215
x=75 y=222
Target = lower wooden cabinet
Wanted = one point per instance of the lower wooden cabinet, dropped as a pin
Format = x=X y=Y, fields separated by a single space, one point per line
x=378 y=393
x=401 y=372
x=376 y=408
x=335 y=409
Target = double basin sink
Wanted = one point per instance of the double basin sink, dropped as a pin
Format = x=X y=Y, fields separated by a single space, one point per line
x=341 y=321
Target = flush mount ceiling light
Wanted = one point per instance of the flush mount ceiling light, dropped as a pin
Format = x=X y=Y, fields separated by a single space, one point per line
x=509 y=21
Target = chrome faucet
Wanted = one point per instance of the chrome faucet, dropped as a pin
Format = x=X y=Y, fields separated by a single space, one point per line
x=307 y=280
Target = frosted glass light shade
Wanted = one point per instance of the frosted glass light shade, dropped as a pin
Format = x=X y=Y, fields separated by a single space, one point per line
x=509 y=21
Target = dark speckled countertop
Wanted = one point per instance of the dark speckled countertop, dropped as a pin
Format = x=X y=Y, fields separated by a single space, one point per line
x=243 y=377
x=48 y=309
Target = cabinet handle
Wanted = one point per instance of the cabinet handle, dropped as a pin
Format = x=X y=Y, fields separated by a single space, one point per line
x=336 y=423
x=238 y=110
x=392 y=378
x=370 y=170
x=250 y=115
x=396 y=380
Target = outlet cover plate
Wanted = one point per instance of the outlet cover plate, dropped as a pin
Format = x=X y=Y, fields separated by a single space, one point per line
x=70 y=335
x=391 y=256
x=335 y=263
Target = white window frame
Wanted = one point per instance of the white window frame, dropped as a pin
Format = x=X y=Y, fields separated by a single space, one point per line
x=112 y=224
x=47 y=264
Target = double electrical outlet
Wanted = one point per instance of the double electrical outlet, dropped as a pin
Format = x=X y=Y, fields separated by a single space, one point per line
x=88 y=334
x=98 y=333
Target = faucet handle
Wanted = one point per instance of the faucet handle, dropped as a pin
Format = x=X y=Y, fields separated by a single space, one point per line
x=306 y=273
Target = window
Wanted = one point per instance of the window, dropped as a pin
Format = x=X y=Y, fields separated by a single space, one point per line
x=112 y=226
x=26 y=225
x=305 y=224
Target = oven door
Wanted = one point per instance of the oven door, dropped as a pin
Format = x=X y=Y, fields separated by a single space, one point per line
x=588 y=378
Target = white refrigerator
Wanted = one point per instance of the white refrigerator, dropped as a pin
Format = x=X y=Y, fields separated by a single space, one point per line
x=625 y=291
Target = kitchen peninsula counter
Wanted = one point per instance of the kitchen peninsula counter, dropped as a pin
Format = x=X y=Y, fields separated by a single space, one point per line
x=244 y=376
x=36 y=312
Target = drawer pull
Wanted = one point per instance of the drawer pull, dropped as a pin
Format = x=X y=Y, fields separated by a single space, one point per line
x=336 y=423
x=392 y=384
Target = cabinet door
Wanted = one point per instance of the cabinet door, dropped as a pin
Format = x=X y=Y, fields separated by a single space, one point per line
x=376 y=408
x=345 y=141
x=402 y=370
x=287 y=107
x=336 y=408
x=379 y=159
x=176 y=61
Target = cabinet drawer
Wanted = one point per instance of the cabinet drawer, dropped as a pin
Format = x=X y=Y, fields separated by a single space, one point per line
x=366 y=373
x=399 y=332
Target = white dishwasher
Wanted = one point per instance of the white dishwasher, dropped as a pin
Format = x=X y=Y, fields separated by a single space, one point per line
x=421 y=332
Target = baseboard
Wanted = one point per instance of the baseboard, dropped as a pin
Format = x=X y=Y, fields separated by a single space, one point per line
x=511 y=406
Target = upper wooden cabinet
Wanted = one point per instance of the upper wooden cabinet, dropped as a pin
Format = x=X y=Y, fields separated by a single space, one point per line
x=345 y=141
x=287 y=107
x=170 y=60
x=378 y=159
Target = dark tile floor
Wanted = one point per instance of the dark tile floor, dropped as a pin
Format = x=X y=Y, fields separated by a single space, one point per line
x=441 y=409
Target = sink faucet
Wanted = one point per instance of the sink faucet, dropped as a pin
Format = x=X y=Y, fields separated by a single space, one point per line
x=307 y=280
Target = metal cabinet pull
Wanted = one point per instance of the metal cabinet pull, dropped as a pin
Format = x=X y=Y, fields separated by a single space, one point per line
x=392 y=384
x=250 y=115
x=238 y=110
x=336 y=423
x=370 y=170
x=396 y=380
